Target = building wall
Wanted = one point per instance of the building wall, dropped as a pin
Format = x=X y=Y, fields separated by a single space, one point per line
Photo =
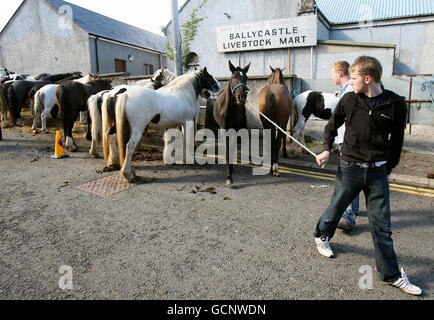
x=109 y=51
x=413 y=40
x=414 y=43
x=240 y=11
x=36 y=41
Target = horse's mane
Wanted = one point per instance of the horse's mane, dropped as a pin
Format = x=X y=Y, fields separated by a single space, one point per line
x=99 y=82
x=170 y=76
x=186 y=86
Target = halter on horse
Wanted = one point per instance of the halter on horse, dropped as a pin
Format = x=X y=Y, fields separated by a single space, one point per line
x=275 y=102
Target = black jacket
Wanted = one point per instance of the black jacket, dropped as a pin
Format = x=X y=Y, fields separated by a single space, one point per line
x=370 y=135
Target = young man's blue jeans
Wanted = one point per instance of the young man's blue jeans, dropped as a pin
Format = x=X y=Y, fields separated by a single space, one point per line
x=350 y=180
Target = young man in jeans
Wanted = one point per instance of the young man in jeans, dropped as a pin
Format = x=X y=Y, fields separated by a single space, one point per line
x=375 y=122
x=341 y=77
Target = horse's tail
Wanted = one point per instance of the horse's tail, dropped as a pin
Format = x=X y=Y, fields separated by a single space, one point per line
x=12 y=104
x=122 y=127
x=272 y=108
x=106 y=124
x=4 y=105
x=94 y=116
x=38 y=105
x=61 y=99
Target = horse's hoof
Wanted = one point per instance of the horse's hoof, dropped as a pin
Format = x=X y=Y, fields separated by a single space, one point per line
x=129 y=178
x=229 y=183
x=47 y=132
x=276 y=173
x=35 y=131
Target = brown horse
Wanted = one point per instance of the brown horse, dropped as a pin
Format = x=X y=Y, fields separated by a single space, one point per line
x=72 y=99
x=275 y=102
x=229 y=110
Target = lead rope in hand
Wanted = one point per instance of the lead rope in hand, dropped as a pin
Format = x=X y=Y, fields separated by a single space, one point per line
x=286 y=133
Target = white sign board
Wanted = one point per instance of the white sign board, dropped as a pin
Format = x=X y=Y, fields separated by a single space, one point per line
x=282 y=33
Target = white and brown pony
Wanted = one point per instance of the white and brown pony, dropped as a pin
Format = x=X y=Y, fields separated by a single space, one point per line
x=310 y=103
x=45 y=100
x=102 y=126
x=169 y=107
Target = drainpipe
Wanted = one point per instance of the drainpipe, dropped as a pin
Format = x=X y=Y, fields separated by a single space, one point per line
x=96 y=55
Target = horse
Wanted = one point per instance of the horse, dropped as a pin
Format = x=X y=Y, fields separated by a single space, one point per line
x=168 y=107
x=161 y=78
x=319 y=104
x=101 y=120
x=71 y=97
x=5 y=73
x=18 y=93
x=275 y=102
x=45 y=99
x=229 y=110
x=4 y=101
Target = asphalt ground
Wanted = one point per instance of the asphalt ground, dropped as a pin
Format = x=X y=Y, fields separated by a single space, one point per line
x=179 y=233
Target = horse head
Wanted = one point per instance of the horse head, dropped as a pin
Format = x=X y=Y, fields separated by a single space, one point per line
x=157 y=79
x=208 y=82
x=238 y=83
x=276 y=76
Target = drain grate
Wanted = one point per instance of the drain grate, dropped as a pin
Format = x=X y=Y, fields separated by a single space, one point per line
x=107 y=186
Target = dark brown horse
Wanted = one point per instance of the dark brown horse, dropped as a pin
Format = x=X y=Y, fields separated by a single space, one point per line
x=275 y=102
x=229 y=109
x=72 y=98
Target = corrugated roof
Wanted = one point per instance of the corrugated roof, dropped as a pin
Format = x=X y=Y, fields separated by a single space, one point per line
x=353 y=11
x=99 y=25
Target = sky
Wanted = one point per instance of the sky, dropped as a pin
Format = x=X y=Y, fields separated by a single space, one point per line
x=150 y=15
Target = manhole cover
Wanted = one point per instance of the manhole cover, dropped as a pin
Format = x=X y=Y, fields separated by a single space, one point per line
x=107 y=186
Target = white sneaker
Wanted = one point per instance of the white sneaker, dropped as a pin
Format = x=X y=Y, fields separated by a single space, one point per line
x=323 y=246
x=404 y=284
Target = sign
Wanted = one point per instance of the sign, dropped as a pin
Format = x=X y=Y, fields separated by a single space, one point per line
x=282 y=33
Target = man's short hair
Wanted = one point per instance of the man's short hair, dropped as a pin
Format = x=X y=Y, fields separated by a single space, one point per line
x=368 y=66
x=342 y=66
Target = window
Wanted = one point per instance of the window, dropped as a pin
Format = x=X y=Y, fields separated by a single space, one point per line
x=149 y=69
x=120 y=65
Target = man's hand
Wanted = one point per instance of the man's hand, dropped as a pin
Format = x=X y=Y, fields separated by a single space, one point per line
x=322 y=159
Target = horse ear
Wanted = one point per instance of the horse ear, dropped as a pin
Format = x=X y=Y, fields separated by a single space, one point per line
x=231 y=66
x=272 y=70
x=205 y=70
x=246 y=68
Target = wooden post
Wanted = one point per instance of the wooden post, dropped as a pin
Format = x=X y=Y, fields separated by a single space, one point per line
x=239 y=58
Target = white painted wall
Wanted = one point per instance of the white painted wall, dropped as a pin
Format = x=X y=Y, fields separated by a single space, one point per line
x=33 y=42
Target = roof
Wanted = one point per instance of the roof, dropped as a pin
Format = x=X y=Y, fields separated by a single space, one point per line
x=100 y=25
x=354 y=11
